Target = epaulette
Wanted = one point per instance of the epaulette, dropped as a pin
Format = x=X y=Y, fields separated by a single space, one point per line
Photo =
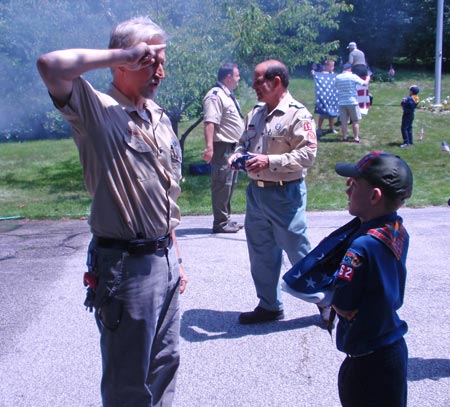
x=296 y=104
x=259 y=105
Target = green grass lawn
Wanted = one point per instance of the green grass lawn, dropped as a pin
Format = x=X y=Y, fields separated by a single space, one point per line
x=43 y=179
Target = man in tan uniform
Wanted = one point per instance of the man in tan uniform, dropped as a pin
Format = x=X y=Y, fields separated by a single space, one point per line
x=280 y=134
x=223 y=127
x=131 y=164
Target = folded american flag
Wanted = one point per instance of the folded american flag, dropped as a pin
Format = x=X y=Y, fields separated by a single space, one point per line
x=326 y=94
x=445 y=147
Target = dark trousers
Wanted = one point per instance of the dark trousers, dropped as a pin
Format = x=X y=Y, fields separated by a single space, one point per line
x=375 y=380
x=407 y=128
x=360 y=70
x=223 y=181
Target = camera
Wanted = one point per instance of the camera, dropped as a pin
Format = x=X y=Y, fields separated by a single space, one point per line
x=239 y=163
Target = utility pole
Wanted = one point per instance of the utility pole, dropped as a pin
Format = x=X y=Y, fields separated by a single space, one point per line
x=438 y=62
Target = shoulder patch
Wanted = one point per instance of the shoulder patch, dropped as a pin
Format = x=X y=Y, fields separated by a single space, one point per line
x=215 y=92
x=349 y=263
x=311 y=137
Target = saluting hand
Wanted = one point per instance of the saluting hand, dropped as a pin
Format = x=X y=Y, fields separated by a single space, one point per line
x=143 y=55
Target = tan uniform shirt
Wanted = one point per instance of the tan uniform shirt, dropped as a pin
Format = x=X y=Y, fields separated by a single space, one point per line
x=220 y=109
x=131 y=166
x=287 y=135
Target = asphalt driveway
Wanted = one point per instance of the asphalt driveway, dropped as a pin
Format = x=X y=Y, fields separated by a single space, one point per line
x=49 y=344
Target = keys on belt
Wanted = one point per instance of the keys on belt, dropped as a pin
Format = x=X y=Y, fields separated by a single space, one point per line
x=136 y=247
x=271 y=184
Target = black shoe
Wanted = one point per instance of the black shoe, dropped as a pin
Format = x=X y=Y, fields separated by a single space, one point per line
x=228 y=228
x=338 y=123
x=259 y=315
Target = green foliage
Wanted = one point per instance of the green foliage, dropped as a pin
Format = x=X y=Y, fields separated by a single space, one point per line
x=193 y=57
x=386 y=30
x=202 y=35
x=287 y=30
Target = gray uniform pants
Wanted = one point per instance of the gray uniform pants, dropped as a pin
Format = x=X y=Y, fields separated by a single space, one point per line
x=275 y=221
x=223 y=181
x=137 y=312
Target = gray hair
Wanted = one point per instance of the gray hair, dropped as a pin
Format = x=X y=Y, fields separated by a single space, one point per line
x=136 y=30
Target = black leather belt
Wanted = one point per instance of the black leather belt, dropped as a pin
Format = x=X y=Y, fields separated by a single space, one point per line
x=360 y=355
x=135 y=247
x=271 y=184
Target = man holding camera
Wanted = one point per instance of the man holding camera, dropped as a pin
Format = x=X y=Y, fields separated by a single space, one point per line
x=280 y=140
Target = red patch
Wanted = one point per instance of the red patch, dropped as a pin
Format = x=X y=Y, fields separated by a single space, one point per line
x=134 y=132
x=307 y=126
x=346 y=272
x=311 y=136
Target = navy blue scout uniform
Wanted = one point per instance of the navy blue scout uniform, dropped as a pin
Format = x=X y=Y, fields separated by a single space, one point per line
x=371 y=279
x=361 y=269
x=370 y=287
x=409 y=104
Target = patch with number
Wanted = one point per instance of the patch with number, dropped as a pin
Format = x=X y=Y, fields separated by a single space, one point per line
x=346 y=272
x=349 y=263
x=307 y=126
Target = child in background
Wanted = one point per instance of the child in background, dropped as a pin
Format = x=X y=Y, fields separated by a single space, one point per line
x=409 y=104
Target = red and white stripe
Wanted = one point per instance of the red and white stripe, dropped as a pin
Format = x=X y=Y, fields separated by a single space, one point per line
x=363 y=98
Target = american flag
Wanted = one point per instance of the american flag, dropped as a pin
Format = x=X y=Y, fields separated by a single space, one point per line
x=326 y=94
x=363 y=98
x=314 y=273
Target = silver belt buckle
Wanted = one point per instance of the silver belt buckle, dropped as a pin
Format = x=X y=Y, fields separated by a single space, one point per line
x=260 y=184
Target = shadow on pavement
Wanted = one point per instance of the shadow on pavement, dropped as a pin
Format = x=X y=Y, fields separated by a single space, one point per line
x=198 y=325
x=434 y=369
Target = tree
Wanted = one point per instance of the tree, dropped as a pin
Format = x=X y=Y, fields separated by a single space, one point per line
x=285 y=30
x=399 y=30
x=193 y=59
x=423 y=30
x=203 y=34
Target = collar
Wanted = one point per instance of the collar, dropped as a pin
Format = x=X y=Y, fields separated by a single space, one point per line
x=390 y=231
x=223 y=87
x=283 y=105
x=154 y=109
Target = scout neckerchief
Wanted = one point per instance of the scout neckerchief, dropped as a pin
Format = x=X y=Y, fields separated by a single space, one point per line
x=231 y=95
